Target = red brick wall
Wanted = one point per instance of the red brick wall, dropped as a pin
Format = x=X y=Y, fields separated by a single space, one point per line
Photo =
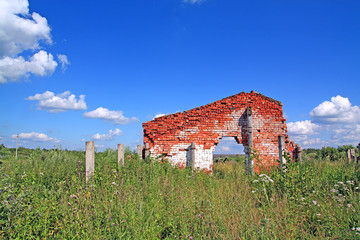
x=172 y=135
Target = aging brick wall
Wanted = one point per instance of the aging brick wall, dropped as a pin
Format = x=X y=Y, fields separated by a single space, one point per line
x=171 y=135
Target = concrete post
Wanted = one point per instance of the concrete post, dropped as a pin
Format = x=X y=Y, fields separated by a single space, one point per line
x=192 y=159
x=139 y=151
x=121 y=153
x=147 y=150
x=352 y=154
x=281 y=141
x=298 y=151
x=17 y=138
x=249 y=162
x=89 y=159
x=348 y=153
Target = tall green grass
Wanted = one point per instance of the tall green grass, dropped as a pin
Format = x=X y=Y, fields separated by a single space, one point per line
x=43 y=194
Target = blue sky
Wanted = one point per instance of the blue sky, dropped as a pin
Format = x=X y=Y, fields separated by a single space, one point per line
x=73 y=71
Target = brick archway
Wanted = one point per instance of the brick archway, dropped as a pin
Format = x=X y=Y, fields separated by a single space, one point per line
x=172 y=135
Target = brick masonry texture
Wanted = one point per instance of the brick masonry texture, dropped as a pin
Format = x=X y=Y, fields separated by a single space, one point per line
x=170 y=136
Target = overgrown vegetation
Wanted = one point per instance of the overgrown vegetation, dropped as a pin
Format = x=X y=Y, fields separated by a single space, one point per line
x=43 y=194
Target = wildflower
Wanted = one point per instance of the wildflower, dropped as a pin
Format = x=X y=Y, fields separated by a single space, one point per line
x=199 y=215
x=79 y=161
x=114 y=183
x=69 y=204
x=255 y=181
x=356 y=188
x=73 y=196
x=350 y=182
x=318 y=214
x=314 y=202
x=348 y=205
x=333 y=190
x=340 y=183
x=42 y=174
x=265 y=178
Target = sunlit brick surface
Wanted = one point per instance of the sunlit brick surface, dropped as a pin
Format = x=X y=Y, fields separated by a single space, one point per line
x=171 y=135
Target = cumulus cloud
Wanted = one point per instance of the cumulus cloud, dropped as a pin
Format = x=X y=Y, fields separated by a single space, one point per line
x=107 y=137
x=21 y=31
x=36 y=137
x=105 y=114
x=225 y=148
x=12 y=69
x=64 y=61
x=333 y=123
x=302 y=127
x=58 y=103
x=338 y=110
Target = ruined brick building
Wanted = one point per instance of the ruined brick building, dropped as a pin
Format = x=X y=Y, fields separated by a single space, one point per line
x=171 y=135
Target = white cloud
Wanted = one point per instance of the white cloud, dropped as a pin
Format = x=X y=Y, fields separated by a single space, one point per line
x=58 y=103
x=36 y=137
x=338 y=123
x=21 y=31
x=225 y=148
x=193 y=1
x=336 y=111
x=302 y=127
x=107 y=137
x=12 y=69
x=159 y=115
x=105 y=114
x=63 y=59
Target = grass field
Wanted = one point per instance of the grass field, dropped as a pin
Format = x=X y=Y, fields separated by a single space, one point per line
x=43 y=195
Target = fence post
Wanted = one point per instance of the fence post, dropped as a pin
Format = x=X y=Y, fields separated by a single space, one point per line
x=249 y=162
x=353 y=154
x=281 y=141
x=192 y=156
x=358 y=159
x=298 y=152
x=348 y=155
x=139 y=151
x=17 y=138
x=89 y=159
x=147 y=150
x=121 y=152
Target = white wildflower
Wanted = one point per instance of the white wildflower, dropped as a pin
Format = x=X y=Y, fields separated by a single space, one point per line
x=350 y=182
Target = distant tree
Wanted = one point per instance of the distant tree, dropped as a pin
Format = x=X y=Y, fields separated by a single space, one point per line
x=329 y=153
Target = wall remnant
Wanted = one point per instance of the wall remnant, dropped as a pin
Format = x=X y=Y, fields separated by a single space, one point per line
x=171 y=136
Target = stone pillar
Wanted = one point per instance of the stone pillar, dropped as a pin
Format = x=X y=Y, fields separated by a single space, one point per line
x=89 y=159
x=281 y=141
x=139 y=151
x=192 y=156
x=121 y=153
x=249 y=161
x=298 y=153
x=147 y=150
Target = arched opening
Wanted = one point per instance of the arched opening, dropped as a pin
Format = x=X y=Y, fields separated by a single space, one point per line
x=228 y=150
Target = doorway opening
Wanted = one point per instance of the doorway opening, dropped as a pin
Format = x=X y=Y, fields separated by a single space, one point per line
x=228 y=150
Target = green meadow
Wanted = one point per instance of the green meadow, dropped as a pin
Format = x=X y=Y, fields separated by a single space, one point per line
x=43 y=195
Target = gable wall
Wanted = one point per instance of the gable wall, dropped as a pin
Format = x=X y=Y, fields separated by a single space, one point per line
x=171 y=135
